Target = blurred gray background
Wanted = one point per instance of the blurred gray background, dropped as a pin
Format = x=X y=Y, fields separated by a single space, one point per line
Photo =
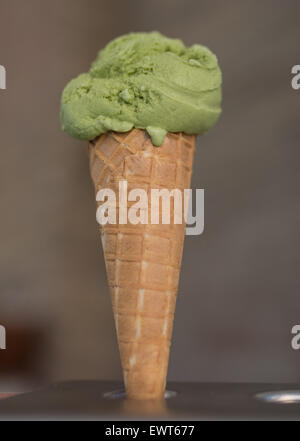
x=239 y=290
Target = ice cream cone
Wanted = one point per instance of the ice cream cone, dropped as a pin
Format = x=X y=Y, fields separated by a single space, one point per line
x=143 y=261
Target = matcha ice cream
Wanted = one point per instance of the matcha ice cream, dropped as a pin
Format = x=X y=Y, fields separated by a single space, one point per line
x=145 y=81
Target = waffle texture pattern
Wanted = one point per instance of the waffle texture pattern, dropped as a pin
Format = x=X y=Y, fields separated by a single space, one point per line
x=143 y=261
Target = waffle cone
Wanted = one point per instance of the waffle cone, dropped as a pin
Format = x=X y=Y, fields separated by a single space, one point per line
x=143 y=261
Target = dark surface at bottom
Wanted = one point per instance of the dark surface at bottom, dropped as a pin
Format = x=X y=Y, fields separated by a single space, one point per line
x=85 y=400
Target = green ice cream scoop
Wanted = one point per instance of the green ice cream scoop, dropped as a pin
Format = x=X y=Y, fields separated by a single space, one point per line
x=146 y=81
